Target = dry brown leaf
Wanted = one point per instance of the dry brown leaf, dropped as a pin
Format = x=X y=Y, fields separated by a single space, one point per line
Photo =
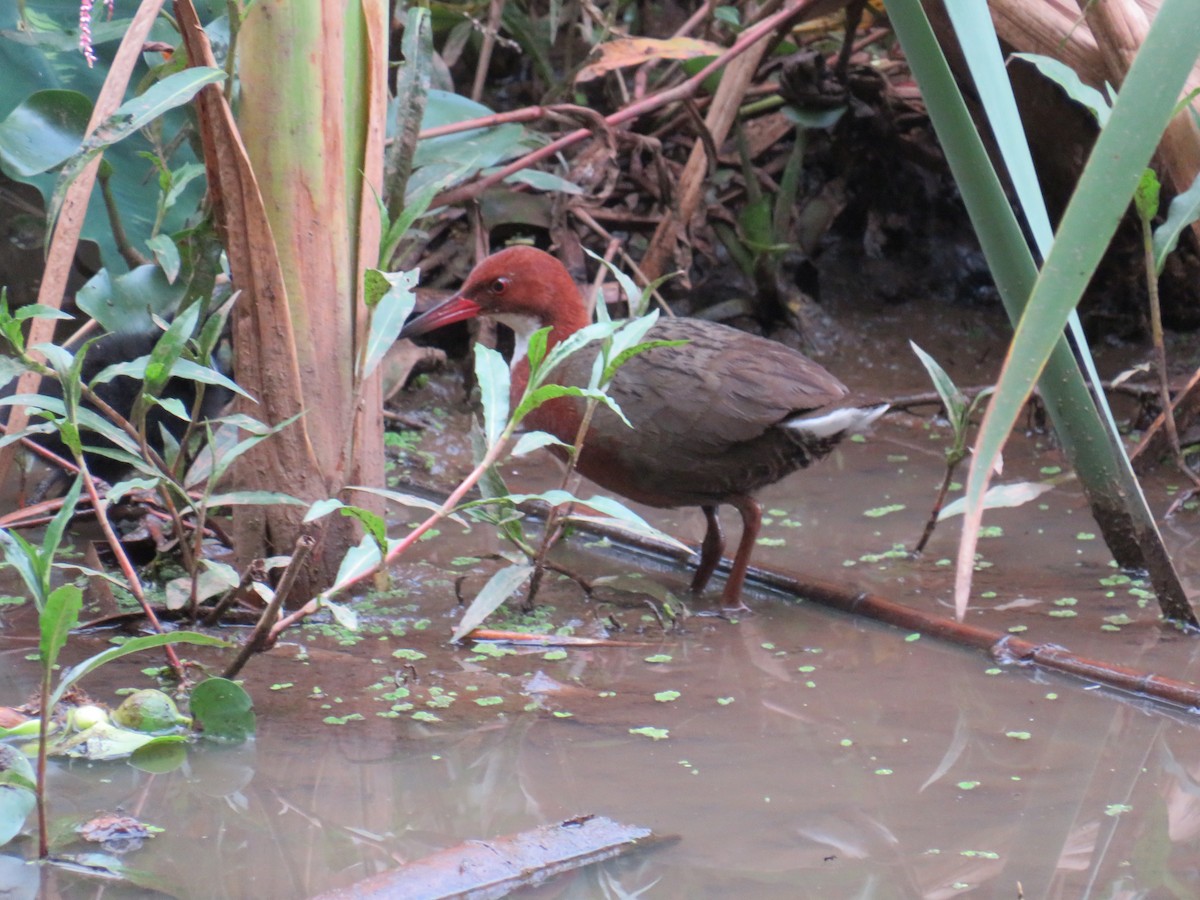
x=625 y=52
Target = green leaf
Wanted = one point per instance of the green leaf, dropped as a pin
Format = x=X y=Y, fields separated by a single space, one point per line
x=1145 y=196
x=17 y=797
x=373 y=524
x=254 y=498
x=223 y=709
x=134 y=645
x=359 y=561
x=629 y=287
x=543 y=181
x=534 y=440
x=1000 y=496
x=536 y=352
x=491 y=374
x=166 y=254
x=536 y=398
x=1183 y=211
x=953 y=399
x=133 y=115
x=25 y=558
x=128 y=302
x=502 y=585
x=58 y=525
x=1116 y=163
x=406 y=500
x=1066 y=78
x=56 y=621
x=391 y=297
x=322 y=508
x=43 y=131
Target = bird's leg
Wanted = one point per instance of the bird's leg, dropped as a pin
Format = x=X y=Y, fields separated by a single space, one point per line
x=710 y=550
x=731 y=599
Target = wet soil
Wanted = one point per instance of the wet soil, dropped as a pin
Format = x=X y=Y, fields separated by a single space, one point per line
x=797 y=752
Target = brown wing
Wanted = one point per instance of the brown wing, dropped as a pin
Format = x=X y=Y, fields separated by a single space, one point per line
x=704 y=414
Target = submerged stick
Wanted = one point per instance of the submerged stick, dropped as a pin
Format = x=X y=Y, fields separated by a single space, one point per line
x=1002 y=646
x=497 y=867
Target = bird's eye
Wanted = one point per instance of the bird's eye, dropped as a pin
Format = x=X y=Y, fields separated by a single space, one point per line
x=499 y=286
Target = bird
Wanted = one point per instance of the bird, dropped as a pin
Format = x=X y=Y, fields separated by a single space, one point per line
x=121 y=393
x=714 y=419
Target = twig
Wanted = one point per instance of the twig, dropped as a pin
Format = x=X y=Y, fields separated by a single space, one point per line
x=1001 y=645
x=263 y=635
x=495 y=10
x=748 y=38
x=100 y=505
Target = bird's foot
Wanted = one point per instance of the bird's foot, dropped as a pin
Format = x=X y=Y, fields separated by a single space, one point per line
x=730 y=613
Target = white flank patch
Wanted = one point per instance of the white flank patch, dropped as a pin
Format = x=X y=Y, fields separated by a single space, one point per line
x=851 y=419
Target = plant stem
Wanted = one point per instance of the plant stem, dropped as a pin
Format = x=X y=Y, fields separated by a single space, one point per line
x=494 y=453
x=100 y=505
x=261 y=637
x=549 y=533
x=1160 y=351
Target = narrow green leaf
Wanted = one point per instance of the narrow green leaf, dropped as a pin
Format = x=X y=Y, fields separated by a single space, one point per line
x=1117 y=161
x=56 y=621
x=952 y=398
x=534 y=440
x=492 y=376
x=390 y=310
x=254 y=498
x=166 y=254
x=1067 y=79
x=1183 y=211
x=134 y=645
x=502 y=585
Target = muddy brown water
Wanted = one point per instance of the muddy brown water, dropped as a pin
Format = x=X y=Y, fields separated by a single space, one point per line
x=798 y=752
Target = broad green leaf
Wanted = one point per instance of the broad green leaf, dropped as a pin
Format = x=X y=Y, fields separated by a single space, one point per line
x=43 y=131
x=500 y=587
x=133 y=115
x=223 y=709
x=17 y=798
x=127 y=302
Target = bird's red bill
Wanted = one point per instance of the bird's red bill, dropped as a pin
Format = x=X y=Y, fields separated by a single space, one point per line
x=455 y=309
